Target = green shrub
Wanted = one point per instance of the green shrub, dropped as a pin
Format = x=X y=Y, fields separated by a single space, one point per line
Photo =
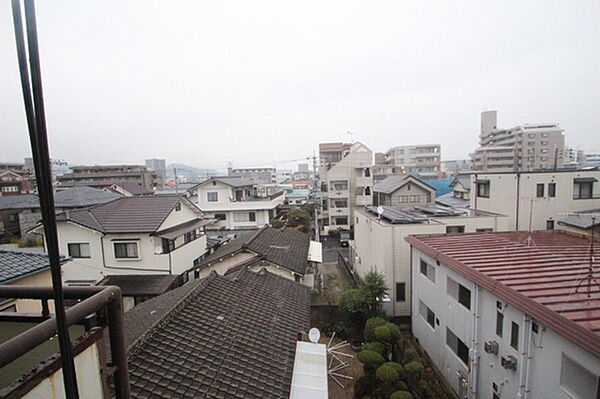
x=396 y=366
x=401 y=385
x=387 y=374
x=382 y=333
x=414 y=367
x=277 y=224
x=375 y=346
x=370 y=358
x=370 y=327
x=409 y=355
x=401 y=395
x=334 y=233
x=394 y=331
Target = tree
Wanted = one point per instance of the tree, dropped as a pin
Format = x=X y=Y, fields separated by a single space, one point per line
x=299 y=219
x=370 y=358
x=375 y=346
x=387 y=373
x=374 y=289
x=401 y=395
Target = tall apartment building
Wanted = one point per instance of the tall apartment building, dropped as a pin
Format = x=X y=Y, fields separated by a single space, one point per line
x=346 y=182
x=424 y=160
x=521 y=148
x=158 y=166
x=255 y=175
x=106 y=175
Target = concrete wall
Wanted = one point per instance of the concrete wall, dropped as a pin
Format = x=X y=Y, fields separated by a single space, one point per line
x=547 y=346
x=224 y=191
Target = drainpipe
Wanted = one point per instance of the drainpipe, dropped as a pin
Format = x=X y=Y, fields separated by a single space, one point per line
x=524 y=368
x=518 y=200
x=474 y=373
x=394 y=268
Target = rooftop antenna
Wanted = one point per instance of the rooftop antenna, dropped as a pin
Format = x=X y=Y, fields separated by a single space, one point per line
x=337 y=362
x=589 y=276
x=529 y=238
x=351 y=136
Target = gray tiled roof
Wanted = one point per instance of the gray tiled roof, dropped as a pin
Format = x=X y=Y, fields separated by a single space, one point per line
x=22 y=201
x=285 y=247
x=232 y=181
x=141 y=284
x=17 y=264
x=464 y=180
x=81 y=196
x=393 y=183
x=143 y=214
x=227 y=337
x=450 y=200
x=583 y=220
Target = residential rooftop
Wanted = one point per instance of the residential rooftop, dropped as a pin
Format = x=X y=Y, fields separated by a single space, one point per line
x=75 y=197
x=16 y=264
x=393 y=183
x=142 y=284
x=418 y=214
x=540 y=273
x=228 y=336
x=583 y=220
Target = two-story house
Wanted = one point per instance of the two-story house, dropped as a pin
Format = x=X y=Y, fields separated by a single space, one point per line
x=403 y=191
x=157 y=234
x=234 y=203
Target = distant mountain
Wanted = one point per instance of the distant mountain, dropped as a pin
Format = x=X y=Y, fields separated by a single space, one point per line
x=191 y=173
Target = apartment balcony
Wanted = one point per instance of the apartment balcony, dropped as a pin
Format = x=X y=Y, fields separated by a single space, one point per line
x=339 y=211
x=338 y=194
x=254 y=204
x=29 y=360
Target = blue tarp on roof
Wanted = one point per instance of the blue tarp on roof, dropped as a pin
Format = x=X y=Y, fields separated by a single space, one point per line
x=442 y=186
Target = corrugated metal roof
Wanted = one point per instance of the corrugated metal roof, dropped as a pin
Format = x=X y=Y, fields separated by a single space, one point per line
x=537 y=272
x=583 y=220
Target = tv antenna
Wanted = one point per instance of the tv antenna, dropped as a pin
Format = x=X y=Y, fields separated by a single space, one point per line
x=337 y=362
x=589 y=279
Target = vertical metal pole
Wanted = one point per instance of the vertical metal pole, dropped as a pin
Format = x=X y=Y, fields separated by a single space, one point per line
x=39 y=145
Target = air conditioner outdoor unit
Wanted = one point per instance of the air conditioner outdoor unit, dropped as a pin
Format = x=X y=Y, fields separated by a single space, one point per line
x=509 y=362
x=491 y=347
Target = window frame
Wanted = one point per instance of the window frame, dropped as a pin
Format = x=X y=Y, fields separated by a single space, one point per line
x=499 y=323
x=212 y=194
x=483 y=190
x=127 y=244
x=552 y=190
x=402 y=291
x=78 y=244
x=514 y=335
x=577 y=190
x=539 y=190
x=221 y=216
x=428 y=268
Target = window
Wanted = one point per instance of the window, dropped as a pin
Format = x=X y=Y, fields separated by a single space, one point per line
x=544 y=143
x=576 y=380
x=499 y=324
x=191 y=236
x=212 y=196
x=341 y=221
x=552 y=190
x=340 y=203
x=196 y=273
x=367 y=190
x=339 y=186
x=427 y=314
x=455 y=229
x=457 y=346
x=582 y=190
x=428 y=270
x=400 y=292
x=539 y=191
x=544 y=150
x=185 y=278
x=10 y=189
x=13 y=218
x=81 y=250
x=549 y=224
x=484 y=230
x=178 y=207
x=514 y=335
x=168 y=245
x=483 y=190
x=459 y=292
x=11 y=308
x=124 y=250
x=531 y=135
x=367 y=172
x=252 y=216
x=220 y=216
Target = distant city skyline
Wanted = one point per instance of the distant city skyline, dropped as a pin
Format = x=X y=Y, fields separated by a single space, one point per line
x=264 y=82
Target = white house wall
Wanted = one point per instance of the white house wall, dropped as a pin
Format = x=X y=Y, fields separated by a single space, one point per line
x=546 y=346
x=178 y=217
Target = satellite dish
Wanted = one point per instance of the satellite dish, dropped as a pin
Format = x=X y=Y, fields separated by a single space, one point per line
x=380 y=210
x=314 y=335
x=158 y=250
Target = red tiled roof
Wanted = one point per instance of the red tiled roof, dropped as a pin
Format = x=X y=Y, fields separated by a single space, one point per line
x=538 y=273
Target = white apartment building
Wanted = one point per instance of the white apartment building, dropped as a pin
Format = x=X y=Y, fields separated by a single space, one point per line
x=501 y=317
x=235 y=203
x=536 y=200
x=520 y=148
x=283 y=175
x=157 y=234
x=424 y=160
x=346 y=183
x=380 y=242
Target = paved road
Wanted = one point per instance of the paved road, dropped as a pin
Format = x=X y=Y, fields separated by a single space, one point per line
x=330 y=266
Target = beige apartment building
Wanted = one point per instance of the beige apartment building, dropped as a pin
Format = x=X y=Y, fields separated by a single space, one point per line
x=521 y=148
x=380 y=242
x=346 y=183
x=536 y=200
x=424 y=160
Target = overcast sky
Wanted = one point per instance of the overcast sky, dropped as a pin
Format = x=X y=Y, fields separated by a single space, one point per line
x=256 y=82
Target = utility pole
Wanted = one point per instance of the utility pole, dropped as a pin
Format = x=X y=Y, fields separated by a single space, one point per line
x=316 y=199
x=175 y=173
x=555 y=158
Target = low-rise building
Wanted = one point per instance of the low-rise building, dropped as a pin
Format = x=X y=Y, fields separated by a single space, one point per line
x=13 y=183
x=129 y=189
x=536 y=200
x=406 y=190
x=460 y=196
x=102 y=176
x=255 y=175
x=509 y=315
x=157 y=234
x=379 y=242
x=424 y=160
x=284 y=252
x=586 y=223
x=223 y=336
x=298 y=197
x=235 y=204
